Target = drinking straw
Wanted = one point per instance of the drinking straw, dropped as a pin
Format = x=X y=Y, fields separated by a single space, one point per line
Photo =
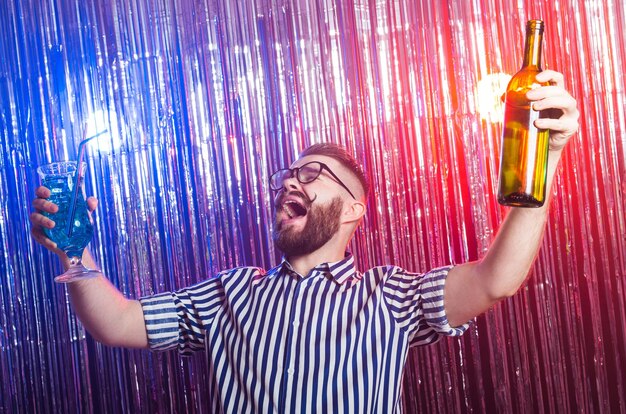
x=81 y=153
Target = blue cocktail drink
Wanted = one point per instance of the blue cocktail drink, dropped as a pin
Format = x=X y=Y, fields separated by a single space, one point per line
x=61 y=195
x=72 y=238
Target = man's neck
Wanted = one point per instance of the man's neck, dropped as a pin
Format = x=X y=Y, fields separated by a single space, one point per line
x=326 y=254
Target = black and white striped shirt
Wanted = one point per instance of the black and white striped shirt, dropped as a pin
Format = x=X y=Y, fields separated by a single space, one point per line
x=333 y=341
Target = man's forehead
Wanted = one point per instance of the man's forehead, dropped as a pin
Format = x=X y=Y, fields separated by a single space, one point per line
x=331 y=162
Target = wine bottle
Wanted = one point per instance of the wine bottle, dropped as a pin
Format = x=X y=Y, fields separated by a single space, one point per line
x=524 y=155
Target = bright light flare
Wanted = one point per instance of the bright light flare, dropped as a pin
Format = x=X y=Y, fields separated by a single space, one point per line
x=489 y=93
x=102 y=121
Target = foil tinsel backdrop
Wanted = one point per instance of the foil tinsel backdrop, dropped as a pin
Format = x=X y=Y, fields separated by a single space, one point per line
x=204 y=99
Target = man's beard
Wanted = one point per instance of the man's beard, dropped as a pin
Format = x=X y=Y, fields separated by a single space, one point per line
x=322 y=223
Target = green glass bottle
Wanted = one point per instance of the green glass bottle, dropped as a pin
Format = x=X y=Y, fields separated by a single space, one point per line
x=524 y=155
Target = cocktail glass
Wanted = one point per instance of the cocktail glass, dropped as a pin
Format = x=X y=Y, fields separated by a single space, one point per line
x=70 y=235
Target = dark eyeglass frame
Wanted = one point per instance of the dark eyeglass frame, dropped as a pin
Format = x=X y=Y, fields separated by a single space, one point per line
x=296 y=171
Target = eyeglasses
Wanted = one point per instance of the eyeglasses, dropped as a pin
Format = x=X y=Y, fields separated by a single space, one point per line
x=305 y=174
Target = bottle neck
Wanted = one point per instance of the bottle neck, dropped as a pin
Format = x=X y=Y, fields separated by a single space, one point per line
x=532 y=50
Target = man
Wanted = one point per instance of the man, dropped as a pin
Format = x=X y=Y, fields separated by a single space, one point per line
x=313 y=334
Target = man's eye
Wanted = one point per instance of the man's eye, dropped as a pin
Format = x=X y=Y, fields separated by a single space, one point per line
x=309 y=172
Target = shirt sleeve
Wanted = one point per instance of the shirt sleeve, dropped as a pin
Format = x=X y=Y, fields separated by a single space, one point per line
x=180 y=319
x=416 y=303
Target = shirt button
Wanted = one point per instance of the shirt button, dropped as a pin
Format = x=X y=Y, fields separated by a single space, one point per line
x=296 y=324
x=290 y=371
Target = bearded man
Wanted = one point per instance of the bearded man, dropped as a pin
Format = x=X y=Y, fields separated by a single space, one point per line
x=313 y=334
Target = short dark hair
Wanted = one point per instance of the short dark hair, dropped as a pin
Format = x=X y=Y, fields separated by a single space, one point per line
x=339 y=153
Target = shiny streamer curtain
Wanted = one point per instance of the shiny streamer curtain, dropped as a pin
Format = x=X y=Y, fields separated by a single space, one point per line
x=204 y=99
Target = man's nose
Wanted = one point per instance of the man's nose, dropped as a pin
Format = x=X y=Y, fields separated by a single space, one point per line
x=291 y=183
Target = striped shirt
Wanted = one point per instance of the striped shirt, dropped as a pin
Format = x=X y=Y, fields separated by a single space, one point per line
x=333 y=341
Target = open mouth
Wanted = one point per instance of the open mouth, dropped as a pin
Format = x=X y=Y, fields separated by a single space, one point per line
x=294 y=209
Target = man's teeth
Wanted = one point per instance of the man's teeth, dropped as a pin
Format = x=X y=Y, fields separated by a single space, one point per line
x=288 y=210
x=288 y=207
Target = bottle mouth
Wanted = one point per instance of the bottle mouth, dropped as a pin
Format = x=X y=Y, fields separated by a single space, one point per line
x=534 y=25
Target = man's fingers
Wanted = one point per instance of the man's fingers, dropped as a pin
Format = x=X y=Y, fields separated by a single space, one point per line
x=92 y=204
x=551 y=76
x=38 y=219
x=48 y=206
x=41 y=203
x=45 y=205
x=546 y=92
x=563 y=125
x=41 y=238
x=559 y=108
x=39 y=222
x=42 y=192
x=564 y=102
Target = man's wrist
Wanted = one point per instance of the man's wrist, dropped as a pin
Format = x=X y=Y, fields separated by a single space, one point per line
x=555 y=152
x=554 y=156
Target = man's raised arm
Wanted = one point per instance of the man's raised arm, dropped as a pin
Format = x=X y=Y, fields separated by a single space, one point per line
x=108 y=316
x=472 y=288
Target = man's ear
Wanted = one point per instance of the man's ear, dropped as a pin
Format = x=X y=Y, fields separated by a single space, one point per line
x=354 y=211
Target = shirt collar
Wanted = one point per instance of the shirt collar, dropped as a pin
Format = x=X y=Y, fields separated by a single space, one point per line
x=340 y=271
